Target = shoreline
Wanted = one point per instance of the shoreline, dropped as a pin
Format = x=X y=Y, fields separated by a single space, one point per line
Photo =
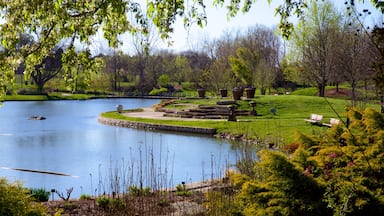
x=152 y=126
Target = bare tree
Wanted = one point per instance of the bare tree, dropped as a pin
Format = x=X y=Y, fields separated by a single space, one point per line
x=354 y=55
x=268 y=45
x=143 y=43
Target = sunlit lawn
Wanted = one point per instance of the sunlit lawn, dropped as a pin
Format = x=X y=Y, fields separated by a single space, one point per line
x=291 y=110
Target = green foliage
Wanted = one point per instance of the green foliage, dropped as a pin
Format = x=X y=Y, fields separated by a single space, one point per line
x=335 y=173
x=181 y=190
x=163 y=80
x=159 y=91
x=244 y=65
x=110 y=205
x=312 y=91
x=279 y=129
x=314 y=38
x=349 y=160
x=217 y=203
x=40 y=194
x=136 y=191
x=85 y=197
x=16 y=200
x=103 y=202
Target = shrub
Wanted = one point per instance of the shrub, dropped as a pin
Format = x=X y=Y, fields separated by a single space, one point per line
x=159 y=91
x=182 y=191
x=40 y=194
x=16 y=200
x=85 y=197
x=103 y=202
x=163 y=203
x=135 y=191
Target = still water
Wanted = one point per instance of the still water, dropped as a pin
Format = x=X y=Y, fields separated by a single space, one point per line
x=100 y=158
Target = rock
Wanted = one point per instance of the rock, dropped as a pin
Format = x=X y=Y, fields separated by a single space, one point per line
x=37 y=118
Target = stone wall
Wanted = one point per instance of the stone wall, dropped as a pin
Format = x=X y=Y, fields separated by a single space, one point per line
x=151 y=126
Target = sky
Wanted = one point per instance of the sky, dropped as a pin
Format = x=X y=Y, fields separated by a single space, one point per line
x=218 y=23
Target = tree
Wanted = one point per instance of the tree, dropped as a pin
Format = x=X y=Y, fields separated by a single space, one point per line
x=263 y=40
x=315 y=40
x=245 y=65
x=219 y=51
x=54 y=21
x=198 y=62
x=354 y=55
x=48 y=69
x=182 y=72
x=378 y=39
x=79 y=67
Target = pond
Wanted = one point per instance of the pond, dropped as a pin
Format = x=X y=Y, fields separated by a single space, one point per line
x=100 y=158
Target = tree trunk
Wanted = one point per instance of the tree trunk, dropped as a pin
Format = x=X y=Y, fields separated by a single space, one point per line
x=40 y=87
x=353 y=85
x=321 y=89
x=262 y=90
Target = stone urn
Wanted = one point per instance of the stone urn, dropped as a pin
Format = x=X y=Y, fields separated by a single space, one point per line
x=250 y=92
x=237 y=93
x=223 y=92
x=201 y=92
x=119 y=108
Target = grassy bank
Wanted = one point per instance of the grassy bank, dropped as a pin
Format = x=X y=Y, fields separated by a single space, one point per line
x=279 y=128
x=53 y=96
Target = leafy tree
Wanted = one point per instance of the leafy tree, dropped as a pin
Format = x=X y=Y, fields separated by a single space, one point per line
x=265 y=41
x=163 y=80
x=182 y=69
x=244 y=65
x=198 y=62
x=48 y=69
x=79 y=68
x=219 y=52
x=55 y=21
x=314 y=41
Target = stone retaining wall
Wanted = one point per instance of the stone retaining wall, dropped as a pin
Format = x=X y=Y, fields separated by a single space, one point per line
x=151 y=126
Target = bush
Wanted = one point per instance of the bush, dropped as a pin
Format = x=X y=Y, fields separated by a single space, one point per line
x=159 y=91
x=16 y=200
x=182 y=191
x=103 y=202
x=135 y=191
x=40 y=194
x=85 y=197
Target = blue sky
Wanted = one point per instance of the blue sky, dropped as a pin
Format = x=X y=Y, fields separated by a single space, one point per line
x=261 y=13
x=218 y=23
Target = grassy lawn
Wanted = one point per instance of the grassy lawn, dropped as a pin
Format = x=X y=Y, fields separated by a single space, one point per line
x=279 y=128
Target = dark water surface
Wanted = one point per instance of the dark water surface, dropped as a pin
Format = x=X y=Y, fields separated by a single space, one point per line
x=102 y=158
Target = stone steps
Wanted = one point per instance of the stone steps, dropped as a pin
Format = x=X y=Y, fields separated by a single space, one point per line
x=219 y=111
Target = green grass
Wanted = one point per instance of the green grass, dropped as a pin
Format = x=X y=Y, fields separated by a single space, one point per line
x=279 y=128
x=52 y=96
x=25 y=97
